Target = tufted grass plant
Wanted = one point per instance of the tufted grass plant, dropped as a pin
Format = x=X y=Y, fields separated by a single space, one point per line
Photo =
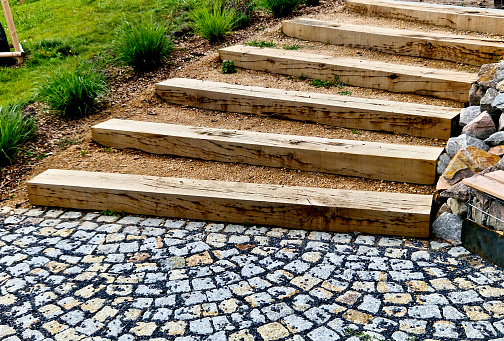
x=280 y=8
x=212 y=21
x=17 y=126
x=143 y=45
x=70 y=93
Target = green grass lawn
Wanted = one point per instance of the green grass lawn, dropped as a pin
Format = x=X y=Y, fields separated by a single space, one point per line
x=62 y=33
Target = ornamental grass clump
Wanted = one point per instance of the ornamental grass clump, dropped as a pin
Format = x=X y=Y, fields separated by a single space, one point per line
x=72 y=93
x=280 y=8
x=213 y=21
x=244 y=9
x=143 y=45
x=17 y=126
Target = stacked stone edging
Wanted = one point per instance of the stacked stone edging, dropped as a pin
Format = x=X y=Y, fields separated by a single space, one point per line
x=479 y=149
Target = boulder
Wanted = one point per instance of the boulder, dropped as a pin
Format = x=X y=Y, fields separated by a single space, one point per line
x=442 y=185
x=448 y=227
x=467 y=162
x=481 y=127
x=476 y=94
x=459 y=191
x=468 y=114
x=500 y=165
x=496 y=139
x=498 y=104
x=497 y=150
x=443 y=162
x=487 y=100
x=443 y=209
x=501 y=122
x=500 y=86
x=491 y=74
x=455 y=144
x=457 y=207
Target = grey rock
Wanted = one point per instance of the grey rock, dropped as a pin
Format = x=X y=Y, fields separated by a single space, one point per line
x=496 y=139
x=491 y=74
x=447 y=226
x=500 y=164
x=457 y=207
x=443 y=162
x=501 y=122
x=476 y=94
x=454 y=144
x=498 y=103
x=487 y=100
x=443 y=209
x=468 y=114
x=500 y=86
x=481 y=127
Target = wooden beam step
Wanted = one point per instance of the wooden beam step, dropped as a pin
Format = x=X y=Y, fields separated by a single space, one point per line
x=454 y=48
x=236 y=202
x=452 y=85
x=342 y=111
x=382 y=161
x=484 y=20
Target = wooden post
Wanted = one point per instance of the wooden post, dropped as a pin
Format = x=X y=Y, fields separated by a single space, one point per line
x=18 y=50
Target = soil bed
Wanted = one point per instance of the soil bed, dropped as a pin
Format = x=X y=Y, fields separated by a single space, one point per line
x=133 y=97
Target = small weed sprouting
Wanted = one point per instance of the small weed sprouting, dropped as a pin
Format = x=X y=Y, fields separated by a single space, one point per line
x=112 y=213
x=83 y=152
x=228 y=67
x=17 y=126
x=345 y=93
x=280 y=8
x=143 y=45
x=71 y=93
x=212 y=21
x=321 y=83
x=291 y=47
x=302 y=77
x=355 y=131
x=256 y=43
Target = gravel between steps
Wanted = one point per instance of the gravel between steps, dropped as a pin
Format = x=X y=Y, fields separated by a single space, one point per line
x=145 y=105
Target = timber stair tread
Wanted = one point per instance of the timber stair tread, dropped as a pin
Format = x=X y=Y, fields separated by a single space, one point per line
x=454 y=48
x=484 y=20
x=374 y=160
x=343 y=111
x=284 y=206
x=454 y=85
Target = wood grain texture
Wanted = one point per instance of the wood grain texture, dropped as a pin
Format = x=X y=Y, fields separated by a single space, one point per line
x=382 y=161
x=232 y=202
x=452 y=85
x=342 y=111
x=484 y=20
x=496 y=176
x=454 y=48
x=486 y=185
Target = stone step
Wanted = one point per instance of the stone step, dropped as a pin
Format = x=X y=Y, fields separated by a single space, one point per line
x=486 y=20
x=452 y=85
x=235 y=202
x=342 y=111
x=382 y=161
x=454 y=48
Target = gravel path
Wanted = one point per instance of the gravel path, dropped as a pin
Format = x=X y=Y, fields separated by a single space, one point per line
x=69 y=275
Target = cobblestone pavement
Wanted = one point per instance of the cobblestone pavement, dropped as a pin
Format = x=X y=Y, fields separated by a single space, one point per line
x=67 y=275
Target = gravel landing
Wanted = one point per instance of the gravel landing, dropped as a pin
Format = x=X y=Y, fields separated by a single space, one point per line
x=70 y=275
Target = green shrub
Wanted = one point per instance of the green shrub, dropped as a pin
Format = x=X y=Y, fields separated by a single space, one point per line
x=16 y=127
x=143 y=45
x=243 y=10
x=212 y=21
x=71 y=93
x=228 y=66
x=280 y=8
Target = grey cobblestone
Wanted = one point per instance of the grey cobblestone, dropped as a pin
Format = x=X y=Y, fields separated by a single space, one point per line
x=68 y=275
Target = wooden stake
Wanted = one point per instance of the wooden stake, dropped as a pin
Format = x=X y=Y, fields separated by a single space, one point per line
x=13 y=34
